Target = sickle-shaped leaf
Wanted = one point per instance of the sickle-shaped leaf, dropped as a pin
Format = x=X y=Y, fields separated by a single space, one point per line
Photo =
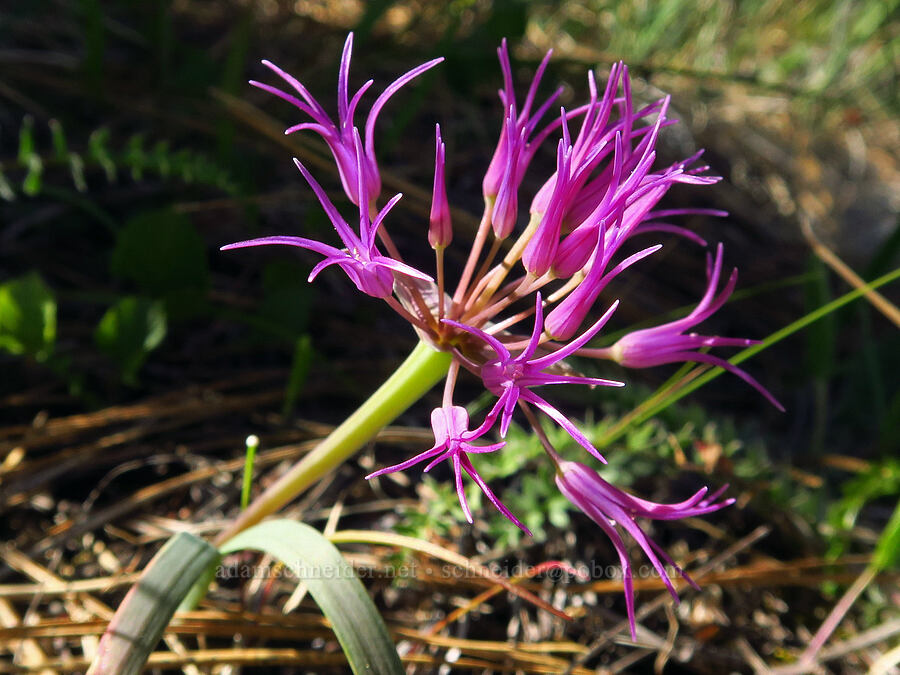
x=145 y=612
x=333 y=584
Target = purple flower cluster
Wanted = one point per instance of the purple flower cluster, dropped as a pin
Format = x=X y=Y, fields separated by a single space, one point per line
x=602 y=195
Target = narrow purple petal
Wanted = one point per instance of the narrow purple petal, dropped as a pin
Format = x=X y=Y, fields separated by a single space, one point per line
x=293 y=82
x=506 y=206
x=362 y=193
x=536 y=80
x=731 y=368
x=482 y=449
x=540 y=251
x=354 y=103
x=510 y=397
x=543 y=379
x=326 y=131
x=467 y=465
x=575 y=345
x=644 y=228
x=460 y=492
x=561 y=420
x=370 y=240
x=535 y=338
x=666 y=213
x=284 y=240
x=343 y=78
x=341 y=260
x=671 y=563
x=447 y=454
x=498 y=346
x=595 y=513
x=628 y=524
x=400 y=267
x=402 y=466
x=346 y=234
x=293 y=100
x=391 y=89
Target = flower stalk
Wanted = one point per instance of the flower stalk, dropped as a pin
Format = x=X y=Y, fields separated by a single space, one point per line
x=421 y=370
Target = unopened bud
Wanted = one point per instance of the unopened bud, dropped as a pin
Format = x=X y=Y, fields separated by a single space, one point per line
x=440 y=227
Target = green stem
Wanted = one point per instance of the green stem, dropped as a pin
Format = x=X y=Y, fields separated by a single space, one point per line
x=423 y=368
x=252 y=447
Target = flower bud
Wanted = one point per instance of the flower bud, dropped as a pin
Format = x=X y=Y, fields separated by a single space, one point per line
x=440 y=228
x=506 y=208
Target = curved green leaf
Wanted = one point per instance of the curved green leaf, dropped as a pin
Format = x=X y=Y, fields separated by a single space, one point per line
x=145 y=612
x=333 y=585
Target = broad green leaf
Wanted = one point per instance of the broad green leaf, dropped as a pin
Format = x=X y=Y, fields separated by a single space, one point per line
x=334 y=586
x=162 y=253
x=129 y=331
x=145 y=612
x=27 y=317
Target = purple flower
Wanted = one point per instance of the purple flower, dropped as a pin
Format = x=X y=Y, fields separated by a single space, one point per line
x=668 y=343
x=452 y=441
x=514 y=139
x=568 y=315
x=609 y=208
x=618 y=201
x=371 y=272
x=649 y=224
x=511 y=378
x=540 y=251
x=605 y=190
x=614 y=510
x=593 y=141
x=339 y=137
x=506 y=206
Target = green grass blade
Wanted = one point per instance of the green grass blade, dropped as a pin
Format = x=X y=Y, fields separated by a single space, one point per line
x=887 y=550
x=671 y=391
x=60 y=147
x=334 y=586
x=303 y=356
x=26 y=139
x=145 y=612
